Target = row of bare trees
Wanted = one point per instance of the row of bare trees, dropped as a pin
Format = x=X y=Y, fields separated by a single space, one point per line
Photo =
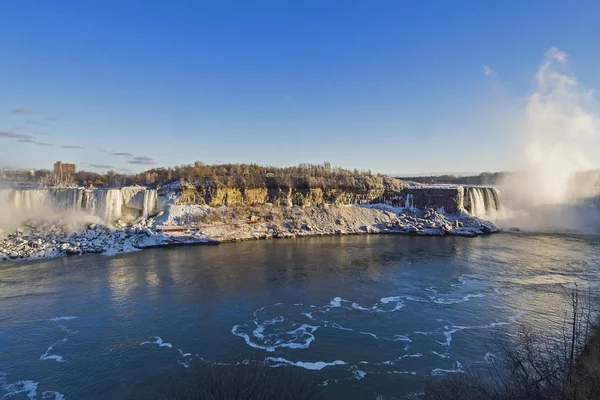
x=240 y=176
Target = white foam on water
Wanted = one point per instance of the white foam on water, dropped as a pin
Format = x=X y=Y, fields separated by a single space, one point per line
x=23 y=386
x=49 y=395
x=337 y=326
x=441 y=300
x=401 y=338
x=308 y=315
x=370 y=334
x=416 y=355
x=358 y=374
x=465 y=278
x=336 y=302
x=55 y=357
x=186 y=358
x=489 y=358
x=457 y=368
x=448 y=334
x=62 y=318
x=440 y=355
x=450 y=330
x=301 y=338
x=356 y=306
x=401 y=372
x=159 y=341
x=314 y=366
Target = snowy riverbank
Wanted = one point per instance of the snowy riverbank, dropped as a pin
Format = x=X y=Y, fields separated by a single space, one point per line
x=176 y=225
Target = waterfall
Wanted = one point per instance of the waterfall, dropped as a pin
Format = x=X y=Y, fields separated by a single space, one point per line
x=128 y=203
x=481 y=201
x=410 y=202
x=150 y=203
x=35 y=199
x=104 y=203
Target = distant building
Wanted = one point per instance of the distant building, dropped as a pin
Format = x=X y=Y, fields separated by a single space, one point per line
x=63 y=169
x=17 y=174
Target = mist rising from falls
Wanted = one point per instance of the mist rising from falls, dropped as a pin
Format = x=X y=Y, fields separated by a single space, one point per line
x=560 y=126
x=76 y=206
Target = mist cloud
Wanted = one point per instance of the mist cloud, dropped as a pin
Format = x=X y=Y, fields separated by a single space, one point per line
x=122 y=154
x=560 y=124
x=45 y=144
x=71 y=147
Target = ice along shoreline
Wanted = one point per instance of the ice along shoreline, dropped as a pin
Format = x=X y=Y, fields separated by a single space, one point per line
x=178 y=225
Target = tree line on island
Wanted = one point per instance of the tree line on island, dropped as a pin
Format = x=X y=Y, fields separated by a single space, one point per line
x=240 y=176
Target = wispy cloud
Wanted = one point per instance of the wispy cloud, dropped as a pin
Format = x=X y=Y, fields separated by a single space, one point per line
x=22 y=111
x=488 y=71
x=122 y=154
x=26 y=140
x=15 y=135
x=142 y=160
x=101 y=166
x=71 y=147
x=124 y=170
x=45 y=144
x=33 y=122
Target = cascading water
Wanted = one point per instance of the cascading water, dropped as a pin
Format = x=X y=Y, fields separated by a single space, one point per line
x=104 y=203
x=150 y=203
x=482 y=201
x=110 y=205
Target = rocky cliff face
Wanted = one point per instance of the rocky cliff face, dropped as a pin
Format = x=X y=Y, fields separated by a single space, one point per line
x=450 y=199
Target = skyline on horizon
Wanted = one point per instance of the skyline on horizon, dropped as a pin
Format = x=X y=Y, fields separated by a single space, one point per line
x=401 y=89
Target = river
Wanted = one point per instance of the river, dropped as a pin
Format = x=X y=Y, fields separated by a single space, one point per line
x=366 y=315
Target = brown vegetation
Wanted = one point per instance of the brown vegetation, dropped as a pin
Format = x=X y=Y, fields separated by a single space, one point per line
x=536 y=367
x=244 y=176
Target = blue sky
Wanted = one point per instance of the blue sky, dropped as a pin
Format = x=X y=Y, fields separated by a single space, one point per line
x=393 y=86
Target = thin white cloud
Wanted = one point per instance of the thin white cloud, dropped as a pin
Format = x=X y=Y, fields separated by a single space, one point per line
x=15 y=135
x=22 y=111
x=142 y=160
x=489 y=72
x=33 y=122
x=101 y=166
